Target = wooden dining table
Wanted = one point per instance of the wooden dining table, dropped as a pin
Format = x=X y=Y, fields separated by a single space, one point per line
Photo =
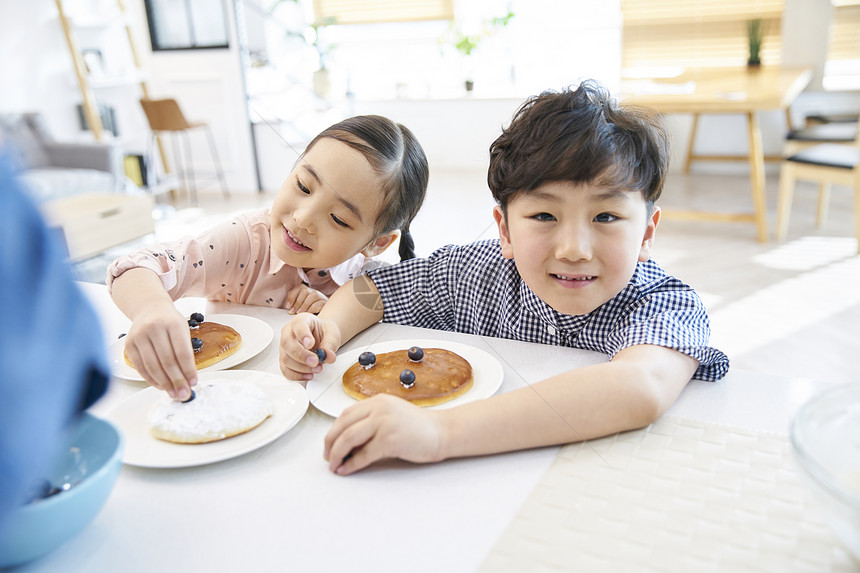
x=741 y=90
x=712 y=486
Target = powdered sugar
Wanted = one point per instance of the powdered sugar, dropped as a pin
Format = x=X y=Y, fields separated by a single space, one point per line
x=222 y=408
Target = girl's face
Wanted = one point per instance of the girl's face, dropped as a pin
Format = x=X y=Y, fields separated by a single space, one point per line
x=325 y=211
x=576 y=246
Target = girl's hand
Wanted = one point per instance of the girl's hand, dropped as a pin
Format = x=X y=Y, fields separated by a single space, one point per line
x=383 y=427
x=159 y=346
x=299 y=338
x=303 y=298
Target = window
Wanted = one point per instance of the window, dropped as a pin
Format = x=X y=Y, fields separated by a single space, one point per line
x=187 y=24
x=660 y=34
x=842 y=69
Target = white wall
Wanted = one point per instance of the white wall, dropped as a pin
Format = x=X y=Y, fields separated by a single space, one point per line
x=35 y=64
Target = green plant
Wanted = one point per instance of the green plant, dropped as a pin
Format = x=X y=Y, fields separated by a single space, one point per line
x=466 y=43
x=755 y=35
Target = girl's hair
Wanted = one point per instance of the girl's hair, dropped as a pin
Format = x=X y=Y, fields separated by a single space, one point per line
x=397 y=157
x=580 y=136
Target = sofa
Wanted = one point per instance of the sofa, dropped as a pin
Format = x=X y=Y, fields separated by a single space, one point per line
x=81 y=188
x=53 y=170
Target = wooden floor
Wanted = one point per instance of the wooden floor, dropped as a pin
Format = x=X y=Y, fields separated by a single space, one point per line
x=791 y=309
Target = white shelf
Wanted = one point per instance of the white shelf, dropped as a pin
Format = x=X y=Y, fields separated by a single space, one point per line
x=116 y=81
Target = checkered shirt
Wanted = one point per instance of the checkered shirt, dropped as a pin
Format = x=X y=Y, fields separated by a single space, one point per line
x=475 y=290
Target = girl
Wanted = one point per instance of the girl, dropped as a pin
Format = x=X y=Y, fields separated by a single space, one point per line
x=356 y=187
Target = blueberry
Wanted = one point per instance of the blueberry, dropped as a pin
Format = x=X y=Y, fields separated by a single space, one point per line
x=197 y=316
x=196 y=344
x=415 y=354
x=320 y=354
x=407 y=378
x=367 y=359
x=193 y=395
x=193 y=324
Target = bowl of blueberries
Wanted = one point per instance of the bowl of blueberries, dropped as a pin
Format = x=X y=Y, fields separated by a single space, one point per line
x=825 y=437
x=68 y=498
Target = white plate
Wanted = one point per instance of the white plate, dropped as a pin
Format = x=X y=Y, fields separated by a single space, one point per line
x=256 y=336
x=289 y=401
x=326 y=389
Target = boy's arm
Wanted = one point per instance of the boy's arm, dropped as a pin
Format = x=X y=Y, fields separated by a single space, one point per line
x=631 y=391
x=352 y=308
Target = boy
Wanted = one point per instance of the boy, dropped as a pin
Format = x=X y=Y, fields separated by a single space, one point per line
x=575 y=178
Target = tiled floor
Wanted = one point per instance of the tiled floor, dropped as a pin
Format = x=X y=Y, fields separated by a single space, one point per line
x=791 y=309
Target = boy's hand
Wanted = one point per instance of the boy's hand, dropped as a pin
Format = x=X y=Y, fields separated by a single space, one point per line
x=159 y=346
x=383 y=427
x=299 y=338
x=303 y=298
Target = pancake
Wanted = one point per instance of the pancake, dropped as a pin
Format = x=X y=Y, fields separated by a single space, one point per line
x=440 y=376
x=219 y=342
x=221 y=409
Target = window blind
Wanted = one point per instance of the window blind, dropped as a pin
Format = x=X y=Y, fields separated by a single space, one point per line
x=376 y=11
x=845 y=31
x=842 y=68
x=697 y=33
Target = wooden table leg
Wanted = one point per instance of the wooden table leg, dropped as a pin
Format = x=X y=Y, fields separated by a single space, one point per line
x=757 y=180
x=691 y=145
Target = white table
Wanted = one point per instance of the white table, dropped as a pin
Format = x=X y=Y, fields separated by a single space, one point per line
x=280 y=509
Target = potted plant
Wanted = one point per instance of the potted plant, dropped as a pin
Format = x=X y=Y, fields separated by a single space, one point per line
x=755 y=36
x=465 y=45
x=321 y=80
x=467 y=42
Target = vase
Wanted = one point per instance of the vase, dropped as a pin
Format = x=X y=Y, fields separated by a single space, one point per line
x=322 y=82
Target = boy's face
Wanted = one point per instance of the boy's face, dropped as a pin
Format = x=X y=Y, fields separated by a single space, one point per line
x=576 y=246
x=325 y=210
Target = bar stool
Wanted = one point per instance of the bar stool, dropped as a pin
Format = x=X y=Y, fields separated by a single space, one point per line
x=165 y=116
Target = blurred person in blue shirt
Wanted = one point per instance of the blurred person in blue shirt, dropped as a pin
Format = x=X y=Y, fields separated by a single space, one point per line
x=53 y=363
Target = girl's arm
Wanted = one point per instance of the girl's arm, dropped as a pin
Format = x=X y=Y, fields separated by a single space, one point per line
x=631 y=391
x=354 y=307
x=157 y=342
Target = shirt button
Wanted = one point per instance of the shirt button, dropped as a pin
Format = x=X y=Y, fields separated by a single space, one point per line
x=551 y=330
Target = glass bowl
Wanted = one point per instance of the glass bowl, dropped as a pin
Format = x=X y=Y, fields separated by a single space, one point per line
x=825 y=437
x=85 y=472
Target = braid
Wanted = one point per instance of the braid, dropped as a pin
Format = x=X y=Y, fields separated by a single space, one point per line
x=407 y=245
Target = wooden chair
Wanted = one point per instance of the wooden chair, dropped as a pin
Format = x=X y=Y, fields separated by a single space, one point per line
x=822 y=118
x=165 y=116
x=814 y=134
x=826 y=164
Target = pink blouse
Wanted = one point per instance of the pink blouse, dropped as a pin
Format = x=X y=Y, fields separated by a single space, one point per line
x=233 y=262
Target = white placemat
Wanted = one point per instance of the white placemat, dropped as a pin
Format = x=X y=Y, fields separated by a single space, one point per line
x=679 y=495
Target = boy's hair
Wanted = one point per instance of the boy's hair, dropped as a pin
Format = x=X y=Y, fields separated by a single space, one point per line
x=581 y=136
x=399 y=160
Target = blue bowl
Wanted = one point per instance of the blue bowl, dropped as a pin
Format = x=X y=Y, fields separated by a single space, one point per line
x=90 y=462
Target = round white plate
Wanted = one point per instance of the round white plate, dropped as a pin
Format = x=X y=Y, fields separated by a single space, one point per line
x=289 y=401
x=326 y=393
x=256 y=336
